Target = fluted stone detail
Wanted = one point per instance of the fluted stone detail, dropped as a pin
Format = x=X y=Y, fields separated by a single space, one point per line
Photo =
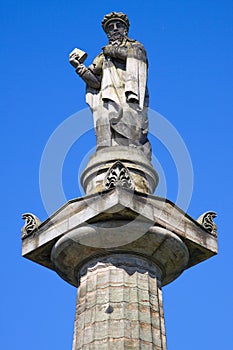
x=119 y=305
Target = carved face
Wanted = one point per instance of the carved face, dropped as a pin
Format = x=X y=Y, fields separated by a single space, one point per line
x=116 y=30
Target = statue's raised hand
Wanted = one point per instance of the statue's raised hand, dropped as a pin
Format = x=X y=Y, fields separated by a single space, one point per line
x=77 y=57
x=109 y=50
x=114 y=51
x=74 y=60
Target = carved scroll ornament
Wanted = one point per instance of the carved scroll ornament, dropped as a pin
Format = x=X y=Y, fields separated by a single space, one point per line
x=206 y=220
x=31 y=223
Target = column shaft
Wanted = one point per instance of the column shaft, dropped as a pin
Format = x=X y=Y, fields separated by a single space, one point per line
x=119 y=305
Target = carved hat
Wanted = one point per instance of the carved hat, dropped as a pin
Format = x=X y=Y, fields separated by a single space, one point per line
x=115 y=16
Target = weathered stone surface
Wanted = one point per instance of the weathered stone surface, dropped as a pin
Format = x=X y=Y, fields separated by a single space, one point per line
x=109 y=313
x=144 y=177
x=156 y=244
x=126 y=208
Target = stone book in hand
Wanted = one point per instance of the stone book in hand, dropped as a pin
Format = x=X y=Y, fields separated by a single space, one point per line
x=80 y=55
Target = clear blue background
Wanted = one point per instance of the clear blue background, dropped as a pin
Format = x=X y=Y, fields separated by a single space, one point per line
x=189 y=45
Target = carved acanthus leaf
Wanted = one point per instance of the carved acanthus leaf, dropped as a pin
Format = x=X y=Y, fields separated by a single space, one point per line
x=31 y=223
x=206 y=220
x=118 y=175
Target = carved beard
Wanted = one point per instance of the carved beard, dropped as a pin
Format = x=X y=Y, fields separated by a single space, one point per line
x=116 y=38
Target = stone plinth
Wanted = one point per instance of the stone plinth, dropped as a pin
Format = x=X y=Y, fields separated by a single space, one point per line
x=143 y=176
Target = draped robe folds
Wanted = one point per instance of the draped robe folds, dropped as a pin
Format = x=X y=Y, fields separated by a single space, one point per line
x=118 y=121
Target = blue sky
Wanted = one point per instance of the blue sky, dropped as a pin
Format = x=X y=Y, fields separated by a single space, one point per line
x=189 y=46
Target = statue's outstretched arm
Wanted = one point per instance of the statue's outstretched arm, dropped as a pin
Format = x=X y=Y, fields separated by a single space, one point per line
x=92 y=80
x=91 y=75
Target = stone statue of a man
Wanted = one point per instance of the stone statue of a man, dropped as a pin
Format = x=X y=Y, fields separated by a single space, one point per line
x=117 y=88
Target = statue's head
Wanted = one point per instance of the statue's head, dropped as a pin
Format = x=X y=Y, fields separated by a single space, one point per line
x=115 y=25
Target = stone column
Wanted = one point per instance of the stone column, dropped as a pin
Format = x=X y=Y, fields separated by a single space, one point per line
x=118 y=247
x=119 y=305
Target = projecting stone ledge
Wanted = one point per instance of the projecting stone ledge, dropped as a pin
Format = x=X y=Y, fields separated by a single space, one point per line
x=115 y=222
